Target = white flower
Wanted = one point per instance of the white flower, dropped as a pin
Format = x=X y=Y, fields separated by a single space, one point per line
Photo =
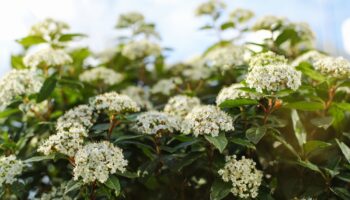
x=67 y=140
x=47 y=57
x=96 y=161
x=129 y=19
x=48 y=28
x=266 y=58
x=10 y=167
x=234 y=92
x=32 y=109
x=139 y=95
x=207 y=120
x=56 y=193
x=269 y=22
x=166 y=86
x=243 y=175
x=114 y=103
x=155 y=122
x=141 y=49
x=225 y=58
x=101 y=75
x=82 y=114
x=334 y=67
x=212 y=7
x=273 y=78
x=181 y=105
x=196 y=69
x=241 y=15
x=310 y=57
x=18 y=83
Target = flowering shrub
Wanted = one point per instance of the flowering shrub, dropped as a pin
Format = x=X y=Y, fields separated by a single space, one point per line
x=241 y=121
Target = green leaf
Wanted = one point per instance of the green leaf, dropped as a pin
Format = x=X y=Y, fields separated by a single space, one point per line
x=217 y=45
x=243 y=142
x=306 y=106
x=255 y=134
x=227 y=25
x=69 y=37
x=231 y=103
x=322 y=122
x=113 y=183
x=31 y=40
x=219 y=190
x=307 y=69
x=47 y=88
x=344 y=149
x=39 y=158
x=343 y=106
x=17 y=62
x=219 y=141
x=313 y=145
x=72 y=186
x=309 y=165
x=343 y=193
x=288 y=34
x=299 y=130
x=8 y=112
x=206 y=27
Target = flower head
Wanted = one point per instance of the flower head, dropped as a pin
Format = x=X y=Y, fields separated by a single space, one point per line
x=48 y=28
x=225 y=58
x=266 y=58
x=96 y=161
x=310 y=57
x=207 y=120
x=141 y=49
x=10 y=167
x=273 y=78
x=166 y=86
x=101 y=75
x=56 y=193
x=334 y=67
x=18 y=83
x=140 y=95
x=241 y=15
x=114 y=103
x=47 y=57
x=234 y=92
x=243 y=176
x=269 y=22
x=211 y=7
x=129 y=19
x=82 y=114
x=181 y=105
x=155 y=122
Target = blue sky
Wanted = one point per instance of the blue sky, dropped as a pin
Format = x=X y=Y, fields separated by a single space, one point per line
x=174 y=18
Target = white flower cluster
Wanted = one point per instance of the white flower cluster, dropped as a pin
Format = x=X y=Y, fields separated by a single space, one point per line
x=234 y=92
x=139 y=95
x=181 y=105
x=241 y=15
x=130 y=19
x=141 y=49
x=32 y=108
x=47 y=57
x=333 y=67
x=273 y=78
x=269 y=22
x=17 y=83
x=155 y=122
x=101 y=75
x=96 y=161
x=10 y=167
x=225 y=58
x=166 y=86
x=82 y=114
x=114 y=103
x=56 y=193
x=207 y=120
x=266 y=58
x=310 y=57
x=212 y=7
x=196 y=69
x=48 y=28
x=243 y=175
x=71 y=128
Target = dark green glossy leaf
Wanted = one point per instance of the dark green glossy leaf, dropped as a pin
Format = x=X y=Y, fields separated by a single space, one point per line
x=219 y=190
x=47 y=88
x=255 y=134
x=219 y=141
x=306 y=105
x=231 y=103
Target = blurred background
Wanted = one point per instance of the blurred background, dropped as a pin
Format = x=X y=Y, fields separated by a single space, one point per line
x=175 y=21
